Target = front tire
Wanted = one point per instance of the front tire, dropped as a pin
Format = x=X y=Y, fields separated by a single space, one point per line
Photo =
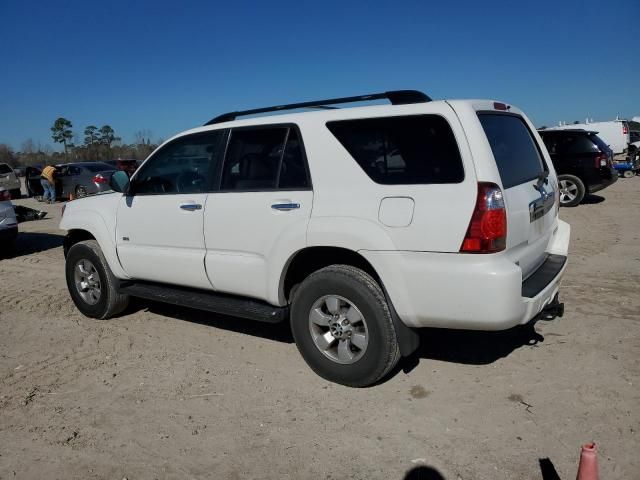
x=16 y=194
x=629 y=174
x=342 y=326
x=572 y=190
x=91 y=284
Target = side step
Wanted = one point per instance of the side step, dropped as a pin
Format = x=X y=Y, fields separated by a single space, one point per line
x=209 y=301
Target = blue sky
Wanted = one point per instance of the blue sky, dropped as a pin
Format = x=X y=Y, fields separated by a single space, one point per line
x=168 y=66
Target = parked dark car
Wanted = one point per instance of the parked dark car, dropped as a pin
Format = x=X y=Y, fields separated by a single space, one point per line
x=583 y=161
x=129 y=166
x=80 y=179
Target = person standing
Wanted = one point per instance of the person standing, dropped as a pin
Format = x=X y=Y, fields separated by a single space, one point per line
x=48 y=182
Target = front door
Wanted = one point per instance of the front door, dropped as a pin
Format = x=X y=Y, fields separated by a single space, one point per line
x=159 y=232
x=260 y=215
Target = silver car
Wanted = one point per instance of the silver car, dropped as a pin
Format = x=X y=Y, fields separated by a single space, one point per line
x=8 y=222
x=80 y=179
x=9 y=180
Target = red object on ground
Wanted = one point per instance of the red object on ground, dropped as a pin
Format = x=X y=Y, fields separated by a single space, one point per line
x=588 y=468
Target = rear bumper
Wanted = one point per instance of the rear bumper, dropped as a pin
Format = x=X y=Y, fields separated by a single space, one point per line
x=608 y=177
x=474 y=292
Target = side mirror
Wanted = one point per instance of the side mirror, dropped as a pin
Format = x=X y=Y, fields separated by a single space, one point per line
x=119 y=182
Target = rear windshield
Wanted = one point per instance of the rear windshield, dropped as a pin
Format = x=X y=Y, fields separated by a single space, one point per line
x=4 y=168
x=98 y=167
x=513 y=147
x=414 y=149
x=599 y=142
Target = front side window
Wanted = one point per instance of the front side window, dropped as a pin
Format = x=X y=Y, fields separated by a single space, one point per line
x=183 y=166
x=4 y=168
x=265 y=158
x=415 y=149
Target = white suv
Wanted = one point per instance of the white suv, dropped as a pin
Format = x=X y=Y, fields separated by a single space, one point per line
x=357 y=224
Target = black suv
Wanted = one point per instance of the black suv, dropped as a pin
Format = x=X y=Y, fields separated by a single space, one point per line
x=584 y=163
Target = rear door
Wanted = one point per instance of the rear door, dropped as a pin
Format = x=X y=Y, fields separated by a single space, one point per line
x=261 y=213
x=530 y=202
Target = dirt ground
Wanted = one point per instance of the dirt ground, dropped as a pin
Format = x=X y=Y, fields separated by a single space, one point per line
x=167 y=392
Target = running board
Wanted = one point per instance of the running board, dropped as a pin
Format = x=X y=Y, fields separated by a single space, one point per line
x=209 y=301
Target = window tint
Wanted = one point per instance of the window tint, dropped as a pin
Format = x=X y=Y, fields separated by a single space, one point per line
x=76 y=171
x=293 y=174
x=183 y=166
x=259 y=159
x=576 y=143
x=402 y=150
x=513 y=147
x=4 y=168
x=602 y=146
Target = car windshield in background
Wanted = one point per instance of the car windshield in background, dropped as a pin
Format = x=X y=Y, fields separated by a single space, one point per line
x=97 y=167
x=416 y=149
x=513 y=147
x=4 y=168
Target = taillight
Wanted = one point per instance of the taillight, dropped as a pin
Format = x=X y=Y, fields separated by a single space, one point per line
x=99 y=179
x=602 y=160
x=487 y=232
x=625 y=129
x=5 y=195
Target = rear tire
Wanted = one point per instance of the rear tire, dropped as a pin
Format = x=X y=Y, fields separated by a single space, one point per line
x=629 y=174
x=81 y=191
x=91 y=284
x=572 y=190
x=16 y=194
x=332 y=308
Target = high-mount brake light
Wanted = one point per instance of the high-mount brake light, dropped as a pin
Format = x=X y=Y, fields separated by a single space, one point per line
x=487 y=232
x=501 y=106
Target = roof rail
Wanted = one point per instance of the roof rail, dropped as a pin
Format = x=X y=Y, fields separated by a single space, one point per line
x=396 y=97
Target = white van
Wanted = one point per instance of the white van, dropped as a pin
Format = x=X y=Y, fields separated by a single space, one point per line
x=615 y=133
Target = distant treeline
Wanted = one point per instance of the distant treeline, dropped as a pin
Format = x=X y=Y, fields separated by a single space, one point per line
x=97 y=144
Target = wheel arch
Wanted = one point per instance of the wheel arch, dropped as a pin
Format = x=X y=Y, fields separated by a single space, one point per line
x=74 y=236
x=310 y=259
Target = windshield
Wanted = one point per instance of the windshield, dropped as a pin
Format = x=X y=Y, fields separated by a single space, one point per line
x=600 y=143
x=513 y=147
x=4 y=168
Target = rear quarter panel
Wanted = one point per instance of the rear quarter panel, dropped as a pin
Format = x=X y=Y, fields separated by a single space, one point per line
x=347 y=202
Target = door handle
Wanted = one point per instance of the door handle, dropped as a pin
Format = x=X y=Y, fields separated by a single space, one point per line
x=190 y=206
x=285 y=207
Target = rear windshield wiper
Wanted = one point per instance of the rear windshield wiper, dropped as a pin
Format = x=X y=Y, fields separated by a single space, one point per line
x=542 y=180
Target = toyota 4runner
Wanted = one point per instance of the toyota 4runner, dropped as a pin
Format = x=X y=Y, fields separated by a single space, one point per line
x=358 y=225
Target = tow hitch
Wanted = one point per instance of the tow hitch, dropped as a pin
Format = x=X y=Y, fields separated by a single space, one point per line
x=552 y=310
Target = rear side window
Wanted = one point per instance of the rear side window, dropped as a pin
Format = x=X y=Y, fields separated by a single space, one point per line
x=415 y=149
x=576 y=143
x=513 y=147
x=265 y=158
x=4 y=168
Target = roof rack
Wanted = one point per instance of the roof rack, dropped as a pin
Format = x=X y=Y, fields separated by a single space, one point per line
x=396 y=97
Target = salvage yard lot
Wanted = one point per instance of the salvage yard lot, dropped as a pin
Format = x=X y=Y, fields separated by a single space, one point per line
x=168 y=392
